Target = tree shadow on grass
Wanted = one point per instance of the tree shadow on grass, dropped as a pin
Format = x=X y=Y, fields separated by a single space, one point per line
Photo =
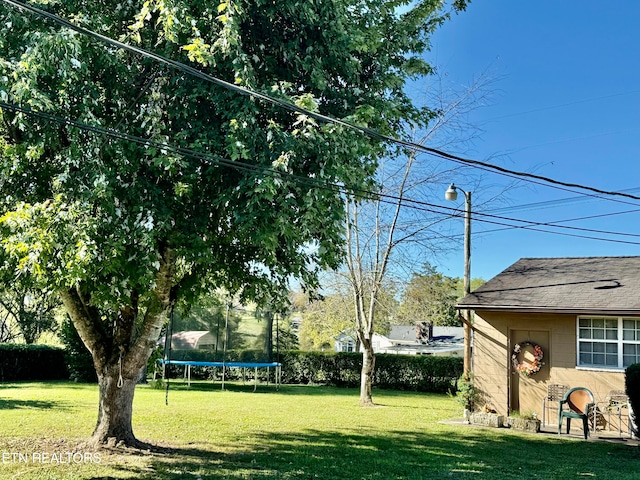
x=235 y=386
x=48 y=384
x=8 y=404
x=369 y=454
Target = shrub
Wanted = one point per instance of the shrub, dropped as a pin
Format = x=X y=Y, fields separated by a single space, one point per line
x=31 y=362
x=467 y=395
x=632 y=386
x=397 y=372
x=420 y=373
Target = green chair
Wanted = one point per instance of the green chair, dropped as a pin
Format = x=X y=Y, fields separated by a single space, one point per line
x=577 y=403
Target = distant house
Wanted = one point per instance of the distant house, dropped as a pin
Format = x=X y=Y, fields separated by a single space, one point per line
x=421 y=339
x=193 y=340
x=345 y=343
x=583 y=313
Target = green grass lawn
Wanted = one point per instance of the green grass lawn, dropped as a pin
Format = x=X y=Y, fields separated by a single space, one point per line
x=298 y=432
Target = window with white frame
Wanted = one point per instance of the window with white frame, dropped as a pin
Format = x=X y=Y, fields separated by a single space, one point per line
x=347 y=345
x=608 y=342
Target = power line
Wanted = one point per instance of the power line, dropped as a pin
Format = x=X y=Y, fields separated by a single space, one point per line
x=511 y=227
x=527 y=227
x=317 y=116
x=552 y=203
x=480 y=216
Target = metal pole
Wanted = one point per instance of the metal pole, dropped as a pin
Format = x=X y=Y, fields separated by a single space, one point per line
x=467 y=283
x=226 y=341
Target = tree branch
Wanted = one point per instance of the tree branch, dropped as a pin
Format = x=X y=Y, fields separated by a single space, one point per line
x=87 y=323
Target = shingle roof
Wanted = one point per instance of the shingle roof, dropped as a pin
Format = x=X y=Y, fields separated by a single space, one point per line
x=597 y=285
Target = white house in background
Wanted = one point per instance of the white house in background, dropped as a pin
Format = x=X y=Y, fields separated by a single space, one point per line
x=421 y=339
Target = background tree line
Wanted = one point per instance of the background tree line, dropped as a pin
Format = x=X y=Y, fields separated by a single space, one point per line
x=427 y=296
x=25 y=315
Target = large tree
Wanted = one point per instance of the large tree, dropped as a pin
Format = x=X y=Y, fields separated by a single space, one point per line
x=430 y=296
x=391 y=233
x=122 y=229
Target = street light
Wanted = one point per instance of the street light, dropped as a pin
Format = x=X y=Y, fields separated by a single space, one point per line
x=452 y=194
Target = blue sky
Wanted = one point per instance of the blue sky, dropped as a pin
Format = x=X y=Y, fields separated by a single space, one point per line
x=565 y=104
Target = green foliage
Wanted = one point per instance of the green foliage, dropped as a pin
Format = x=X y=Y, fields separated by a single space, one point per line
x=321 y=368
x=31 y=362
x=285 y=339
x=324 y=319
x=475 y=284
x=80 y=208
x=467 y=394
x=123 y=228
x=32 y=310
x=395 y=372
x=430 y=296
x=77 y=357
x=632 y=386
x=422 y=373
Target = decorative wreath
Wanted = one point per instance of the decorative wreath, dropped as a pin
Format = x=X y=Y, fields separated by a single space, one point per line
x=531 y=368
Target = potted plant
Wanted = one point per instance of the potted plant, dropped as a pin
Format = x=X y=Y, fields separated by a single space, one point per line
x=527 y=422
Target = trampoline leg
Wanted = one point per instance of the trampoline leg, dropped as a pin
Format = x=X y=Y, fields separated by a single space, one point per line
x=255 y=382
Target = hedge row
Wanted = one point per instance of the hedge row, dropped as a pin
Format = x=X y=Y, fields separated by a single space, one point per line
x=394 y=372
x=632 y=386
x=31 y=362
x=397 y=372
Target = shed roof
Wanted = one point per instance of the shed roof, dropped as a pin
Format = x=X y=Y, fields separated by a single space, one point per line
x=191 y=339
x=587 y=285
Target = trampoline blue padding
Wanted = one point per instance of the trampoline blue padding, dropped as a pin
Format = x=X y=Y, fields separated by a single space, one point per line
x=255 y=365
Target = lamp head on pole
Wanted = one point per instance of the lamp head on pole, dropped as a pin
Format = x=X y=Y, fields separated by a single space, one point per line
x=451 y=193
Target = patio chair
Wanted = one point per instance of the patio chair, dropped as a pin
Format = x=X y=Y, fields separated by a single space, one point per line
x=555 y=393
x=577 y=403
x=615 y=402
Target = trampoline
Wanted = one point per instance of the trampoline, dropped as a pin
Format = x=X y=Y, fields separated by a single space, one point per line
x=243 y=365
x=211 y=340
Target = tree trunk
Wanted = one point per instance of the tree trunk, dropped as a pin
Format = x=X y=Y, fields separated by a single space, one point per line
x=268 y=333
x=115 y=410
x=366 y=377
x=117 y=381
x=120 y=352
